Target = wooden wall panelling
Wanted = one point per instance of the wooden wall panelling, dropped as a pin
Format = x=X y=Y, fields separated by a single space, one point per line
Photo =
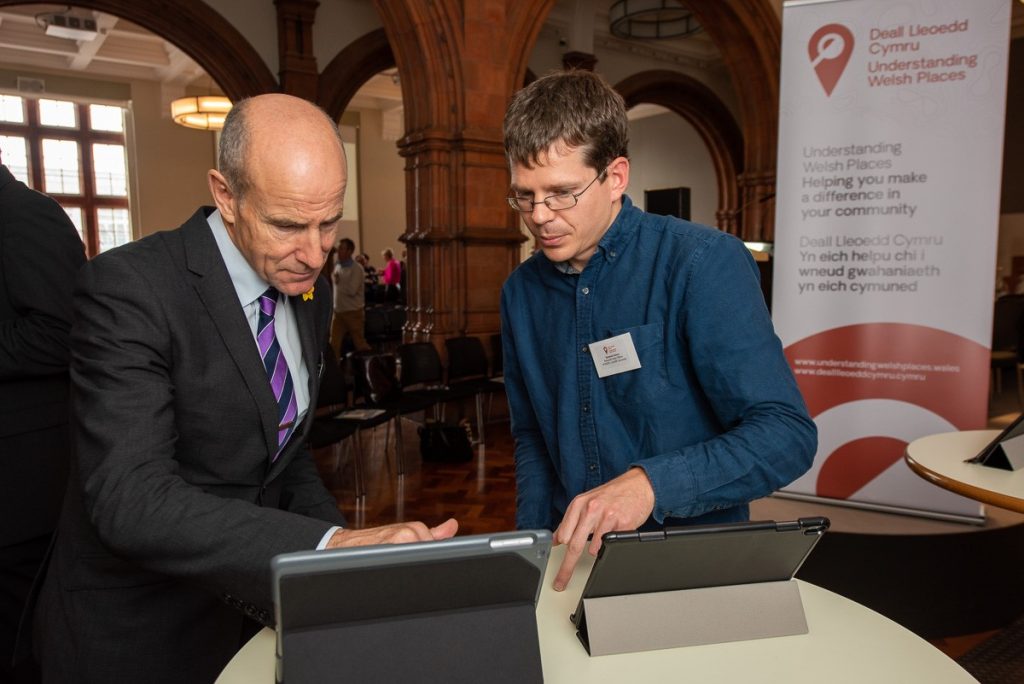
x=364 y=57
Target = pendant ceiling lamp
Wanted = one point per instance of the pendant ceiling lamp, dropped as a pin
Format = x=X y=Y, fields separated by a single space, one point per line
x=204 y=112
x=651 y=19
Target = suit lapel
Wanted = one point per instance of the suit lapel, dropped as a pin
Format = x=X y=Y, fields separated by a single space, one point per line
x=214 y=287
x=311 y=352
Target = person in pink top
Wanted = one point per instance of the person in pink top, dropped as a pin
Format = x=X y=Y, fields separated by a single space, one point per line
x=392 y=275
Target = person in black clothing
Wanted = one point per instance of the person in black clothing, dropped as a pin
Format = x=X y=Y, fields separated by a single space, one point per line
x=40 y=253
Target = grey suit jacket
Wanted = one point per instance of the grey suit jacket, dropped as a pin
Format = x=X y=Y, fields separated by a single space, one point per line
x=174 y=508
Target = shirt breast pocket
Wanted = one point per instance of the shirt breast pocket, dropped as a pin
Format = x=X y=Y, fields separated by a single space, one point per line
x=649 y=382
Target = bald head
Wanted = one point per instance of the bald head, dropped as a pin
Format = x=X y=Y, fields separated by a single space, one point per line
x=265 y=125
x=280 y=190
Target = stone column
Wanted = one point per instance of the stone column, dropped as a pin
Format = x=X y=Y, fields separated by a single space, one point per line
x=459 y=61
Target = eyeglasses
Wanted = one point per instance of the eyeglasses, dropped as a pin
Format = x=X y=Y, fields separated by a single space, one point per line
x=565 y=200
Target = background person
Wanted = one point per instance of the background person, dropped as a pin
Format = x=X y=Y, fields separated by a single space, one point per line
x=391 y=276
x=371 y=281
x=695 y=411
x=40 y=253
x=349 y=299
x=196 y=356
x=363 y=260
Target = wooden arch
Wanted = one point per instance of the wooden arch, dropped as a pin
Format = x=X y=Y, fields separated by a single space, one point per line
x=351 y=68
x=201 y=32
x=424 y=39
x=748 y=34
x=433 y=47
x=696 y=103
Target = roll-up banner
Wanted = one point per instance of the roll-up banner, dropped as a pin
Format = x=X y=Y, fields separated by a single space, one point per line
x=889 y=168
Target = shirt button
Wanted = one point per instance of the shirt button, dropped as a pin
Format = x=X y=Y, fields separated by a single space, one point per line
x=586 y=290
x=611 y=254
x=586 y=408
x=592 y=467
x=583 y=349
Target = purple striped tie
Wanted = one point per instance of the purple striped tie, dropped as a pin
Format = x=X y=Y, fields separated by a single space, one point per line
x=277 y=369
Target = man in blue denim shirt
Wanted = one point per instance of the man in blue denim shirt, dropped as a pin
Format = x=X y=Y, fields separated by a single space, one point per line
x=645 y=380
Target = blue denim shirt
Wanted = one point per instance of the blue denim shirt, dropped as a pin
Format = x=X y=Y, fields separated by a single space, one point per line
x=713 y=415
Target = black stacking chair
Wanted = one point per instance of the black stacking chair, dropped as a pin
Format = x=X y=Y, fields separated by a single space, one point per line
x=1007 y=317
x=376 y=385
x=396 y=318
x=467 y=368
x=376 y=326
x=330 y=429
x=497 y=357
x=423 y=374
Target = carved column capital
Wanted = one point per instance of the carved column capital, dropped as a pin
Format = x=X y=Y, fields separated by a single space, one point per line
x=297 y=66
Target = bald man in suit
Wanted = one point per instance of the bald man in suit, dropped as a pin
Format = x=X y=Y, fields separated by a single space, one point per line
x=191 y=469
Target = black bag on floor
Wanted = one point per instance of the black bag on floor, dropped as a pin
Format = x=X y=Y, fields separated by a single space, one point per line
x=444 y=443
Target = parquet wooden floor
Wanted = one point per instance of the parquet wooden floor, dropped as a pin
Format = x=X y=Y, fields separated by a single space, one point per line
x=480 y=494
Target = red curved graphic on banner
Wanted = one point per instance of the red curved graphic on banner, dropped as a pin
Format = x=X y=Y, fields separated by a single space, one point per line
x=887 y=361
x=857 y=463
x=943 y=373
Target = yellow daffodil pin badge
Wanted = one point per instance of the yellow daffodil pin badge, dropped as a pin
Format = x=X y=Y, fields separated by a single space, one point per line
x=306 y=296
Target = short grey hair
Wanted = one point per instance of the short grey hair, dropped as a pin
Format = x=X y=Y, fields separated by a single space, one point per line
x=234 y=139
x=234 y=143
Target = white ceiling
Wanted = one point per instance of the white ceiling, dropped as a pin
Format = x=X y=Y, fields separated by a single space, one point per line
x=120 y=49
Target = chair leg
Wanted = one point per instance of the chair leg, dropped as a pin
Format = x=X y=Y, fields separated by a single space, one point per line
x=399 y=452
x=387 y=440
x=336 y=448
x=400 y=500
x=357 y=457
x=480 y=418
x=360 y=514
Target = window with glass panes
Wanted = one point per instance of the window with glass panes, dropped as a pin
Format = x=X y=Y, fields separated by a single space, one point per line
x=74 y=152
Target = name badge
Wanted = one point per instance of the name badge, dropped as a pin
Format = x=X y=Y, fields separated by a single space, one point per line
x=614 y=355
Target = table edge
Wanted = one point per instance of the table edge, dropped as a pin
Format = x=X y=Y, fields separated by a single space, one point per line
x=962 y=488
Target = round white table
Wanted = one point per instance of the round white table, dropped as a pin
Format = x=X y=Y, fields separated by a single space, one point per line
x=846 y=643
x=940 y=460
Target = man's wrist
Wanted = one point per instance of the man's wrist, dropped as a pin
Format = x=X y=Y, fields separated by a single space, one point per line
x=326 y=539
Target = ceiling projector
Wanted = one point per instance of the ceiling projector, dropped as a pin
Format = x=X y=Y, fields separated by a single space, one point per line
x=70 y=26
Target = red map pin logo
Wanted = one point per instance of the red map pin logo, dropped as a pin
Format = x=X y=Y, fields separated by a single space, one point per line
x=830 y=48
